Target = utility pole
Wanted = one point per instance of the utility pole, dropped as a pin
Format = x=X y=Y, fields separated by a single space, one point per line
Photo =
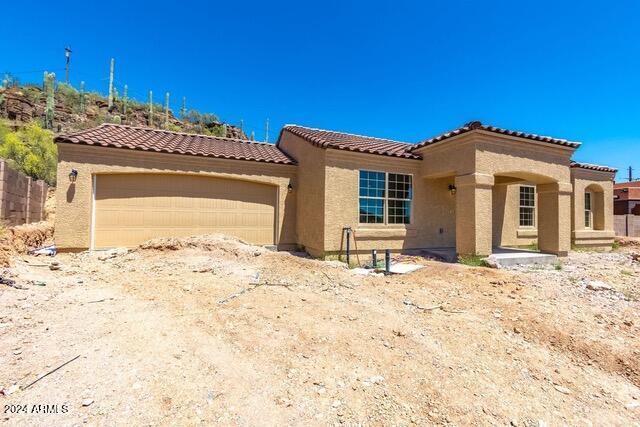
x=150 y=108
x=67 y=55
x=113 y=64
x=266 y=131
x=166 y=110
x=630 y=174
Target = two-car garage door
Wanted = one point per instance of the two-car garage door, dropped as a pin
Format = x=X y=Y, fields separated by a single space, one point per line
x=132 y=208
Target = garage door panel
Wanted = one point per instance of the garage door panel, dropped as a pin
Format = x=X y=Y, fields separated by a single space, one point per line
x=136 y=207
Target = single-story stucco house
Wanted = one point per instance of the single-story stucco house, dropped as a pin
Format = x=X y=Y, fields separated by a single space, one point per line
x=473 y=189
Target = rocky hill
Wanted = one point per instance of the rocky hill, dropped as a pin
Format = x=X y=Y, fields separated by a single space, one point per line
x=75 y=111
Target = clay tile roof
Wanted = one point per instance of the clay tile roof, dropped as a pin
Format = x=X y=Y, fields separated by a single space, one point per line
x=163 y=141
x=476 y=125
x=350 y=142
x=592 y=167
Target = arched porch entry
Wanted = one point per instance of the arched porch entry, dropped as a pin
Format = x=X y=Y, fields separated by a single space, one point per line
x=488 y=209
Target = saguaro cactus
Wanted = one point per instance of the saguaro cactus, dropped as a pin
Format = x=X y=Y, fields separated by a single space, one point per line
x=82 y=98
x=150 y=108
x=111 y=68
x=124 y=99
x=183 y=110
x=166 y=110
x=49 y=81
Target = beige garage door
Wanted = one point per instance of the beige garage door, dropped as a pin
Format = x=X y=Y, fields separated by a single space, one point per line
x=132 y=208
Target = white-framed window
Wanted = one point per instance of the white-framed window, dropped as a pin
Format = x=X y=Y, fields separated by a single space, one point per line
x=588 y=212
x=527 y=206
x=385 y=198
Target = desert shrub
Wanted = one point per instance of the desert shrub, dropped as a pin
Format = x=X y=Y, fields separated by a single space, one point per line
x=30 y=150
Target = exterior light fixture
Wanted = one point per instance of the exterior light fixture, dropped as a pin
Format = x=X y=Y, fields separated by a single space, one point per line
x=452 y=189
x=73 y=175
x=289 y=188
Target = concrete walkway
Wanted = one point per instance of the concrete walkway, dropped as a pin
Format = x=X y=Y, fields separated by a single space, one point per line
x=505 y=257
x=501 y=257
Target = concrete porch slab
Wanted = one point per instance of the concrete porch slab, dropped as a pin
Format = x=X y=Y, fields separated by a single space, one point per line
x=506 y=257
x=501 y=257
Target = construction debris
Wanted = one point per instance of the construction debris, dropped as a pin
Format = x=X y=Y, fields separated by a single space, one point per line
x=47 y=251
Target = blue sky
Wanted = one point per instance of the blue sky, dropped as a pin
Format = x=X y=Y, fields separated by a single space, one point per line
x=396 y=69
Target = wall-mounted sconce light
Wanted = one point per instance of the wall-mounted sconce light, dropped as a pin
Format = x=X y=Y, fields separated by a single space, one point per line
x=73 y=175
x=452 y=189
x=289 y=188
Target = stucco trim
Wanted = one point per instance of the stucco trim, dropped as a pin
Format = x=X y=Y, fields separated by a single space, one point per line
x=593 y=234
x=384 y=233
x=527 y=232
x=478 y=180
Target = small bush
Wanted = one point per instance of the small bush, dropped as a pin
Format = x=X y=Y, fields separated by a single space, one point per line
x=558 y=266
x=473 y=260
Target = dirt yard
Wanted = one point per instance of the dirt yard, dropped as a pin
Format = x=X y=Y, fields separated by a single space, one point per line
x=210 y=330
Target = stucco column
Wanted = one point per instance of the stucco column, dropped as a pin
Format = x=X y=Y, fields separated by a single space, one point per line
x=554 y=218
x=474 y=217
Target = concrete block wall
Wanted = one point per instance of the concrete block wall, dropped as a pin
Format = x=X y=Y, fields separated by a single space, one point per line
x=627 y=225
x=22 y=198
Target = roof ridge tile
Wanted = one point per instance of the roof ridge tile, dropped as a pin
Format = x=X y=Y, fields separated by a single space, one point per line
x=352 y=142
x=477 y=125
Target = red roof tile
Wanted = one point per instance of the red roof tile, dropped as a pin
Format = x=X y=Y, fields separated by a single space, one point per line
x=592 y=167
x=626 y=184
x=346 y=141
x=163 y=141
x=476 y=125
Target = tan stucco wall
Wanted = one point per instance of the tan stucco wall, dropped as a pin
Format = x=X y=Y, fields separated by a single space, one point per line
x=506 y=217
x=310 y=191
x=74 y=202
x=432 y=207
x=601 y=184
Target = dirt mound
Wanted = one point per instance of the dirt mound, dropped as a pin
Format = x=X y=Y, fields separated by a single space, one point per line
x=633 y=242
x=207 y=242
x=21 y=238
